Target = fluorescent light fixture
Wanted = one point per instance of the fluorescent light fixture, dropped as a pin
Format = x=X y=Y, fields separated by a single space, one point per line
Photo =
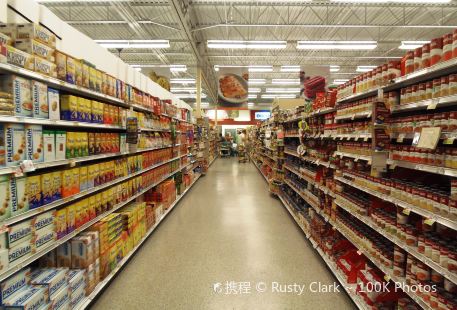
x=260 y=68
x=189 y=96
x=394 y=1
x=364 y=68
x=137 y=69
x=282 y=90
x=272 y=96
x=256 y=81
x=252 y=96
x=334 y=68
x=340 y=81
x=286 y=81
x=173 y=68
x=410 y=45
x=290 y=68
x=236 y=44
x=178 y=68
x=250 y=104
x=337 y=45
x=216 y=68
x=182 y=81
x=254 y=90
x=344 y=73
x=134 y=43
x=183 y=89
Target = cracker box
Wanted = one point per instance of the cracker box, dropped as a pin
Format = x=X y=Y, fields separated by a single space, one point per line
x=20 y=232
x=78 y=72
x=21 y=89
x=67 y=182
x=71 y=70
x=44 y=237
x=19 y=202
x=49 y=145
x=61 y=65
x=37 y=32
x=52 y=280
x=61 y=139
x=69 y=107
x=47 y=188
x=40 y=100
x=33 y=186
x=75 y=183
x=10 y=31
x=34 y=142
x=61 y=299
x=15 y=144
x=77 y=296
x=35 y=48
x=14 y=283
x=29 y=297
x=61 y=222
x=71 y=218
x=63 y=253
x=83 y=185
x=85 y=74
x=48 y=260
x=45 y=67
x=91 y=207
x=76 y=279
x=92 y=78
x=4 y=260
x=53 y=104
x=5 y=197
x=57 y=185
x=19 y=58
x=20 y=251
x=81 y=252
x=45 y=221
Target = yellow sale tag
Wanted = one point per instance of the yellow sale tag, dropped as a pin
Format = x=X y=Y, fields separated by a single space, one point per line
x=429 y=222
x=387 y=277
x=432 y=105
x=449 y=140
x=406 y=211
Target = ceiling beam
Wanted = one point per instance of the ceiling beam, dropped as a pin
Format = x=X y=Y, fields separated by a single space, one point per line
x=181 y=11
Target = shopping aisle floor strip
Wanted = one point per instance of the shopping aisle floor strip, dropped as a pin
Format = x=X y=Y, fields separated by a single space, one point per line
x=258 y=168
x=102 y=285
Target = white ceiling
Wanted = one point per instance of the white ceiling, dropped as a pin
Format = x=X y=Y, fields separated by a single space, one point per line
x=189 y=23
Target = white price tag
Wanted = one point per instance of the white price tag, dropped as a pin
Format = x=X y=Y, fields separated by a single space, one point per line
x=432 y=105
x=72 y=163
x=365 y=138
x=27 y=166
x=401 y=137
x=406 y=211
x=449 y=140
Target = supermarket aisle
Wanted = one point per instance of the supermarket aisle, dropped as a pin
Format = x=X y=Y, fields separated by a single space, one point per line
x=228 y=228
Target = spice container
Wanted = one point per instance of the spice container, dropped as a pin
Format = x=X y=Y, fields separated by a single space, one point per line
x=394 y=69
x=426 y=55
x=429 y=89
x=418 y=58
x=421 y=92
x=452 y=260
x=447 y=46
x=409 y=62
x=435 y=250
x=454 y=44
x=436 y=51
x=453 y=84
x=444 y=86
x=436 y=88
x=444 y=254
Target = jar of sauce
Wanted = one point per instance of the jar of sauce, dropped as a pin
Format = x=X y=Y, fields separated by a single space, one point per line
x=409 y=62
x=436 y=51
x=426 y=55
x=447 y=46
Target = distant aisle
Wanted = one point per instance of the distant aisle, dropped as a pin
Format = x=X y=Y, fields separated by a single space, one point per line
x=227 y=228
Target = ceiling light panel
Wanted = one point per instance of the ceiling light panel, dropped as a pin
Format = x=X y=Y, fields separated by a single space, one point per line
x=182 y=81
x=254 y=90
x=337 y=45
x=364 y=68
x=235 y=44
x=290 y=68
x=410 y=45
x=272 y=96
x=256 y=81
x=286 y=81
x=134 y=43
x=260 y=69
x=334 y=68
x=282 y=90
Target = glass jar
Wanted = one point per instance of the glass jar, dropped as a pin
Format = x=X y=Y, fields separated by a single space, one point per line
x=426 y=55
x=436 y=50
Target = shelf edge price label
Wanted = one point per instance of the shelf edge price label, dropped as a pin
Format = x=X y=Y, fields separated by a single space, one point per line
x=406 y=211
x=387 y=277
x=429 y=221
x=432 y=105
x=449 y=140
x=400 y=137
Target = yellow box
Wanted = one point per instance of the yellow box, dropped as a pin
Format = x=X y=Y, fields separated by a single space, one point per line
x=78 y=72
x=70 y=145
x=47 y=187
x=83 y=170
x=69 y=107
x=84 y=150
x=81 y=106
x=77 y=148
x=104 y=201
x=75 y=180
x=92 y=207
x=56 y=185
x=92 y=78
x=98 y=204
x=71 y=218
x=92 y=175
x=33 y=188
x=61 y=222
x=67 y=180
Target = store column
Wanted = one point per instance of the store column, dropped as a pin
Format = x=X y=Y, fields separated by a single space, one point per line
x=198 y=97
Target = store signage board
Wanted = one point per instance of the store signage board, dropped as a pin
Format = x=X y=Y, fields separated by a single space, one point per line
x=416 y=138
x=429 y=138
x=262 y=115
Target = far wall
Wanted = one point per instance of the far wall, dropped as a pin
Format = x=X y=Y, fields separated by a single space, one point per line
x=224 y=127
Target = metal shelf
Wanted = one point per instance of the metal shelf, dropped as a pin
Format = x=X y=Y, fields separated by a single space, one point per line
x=355 y=156
x=421 y=167
x=423 y=104
x=62 y=85
x=365 y=94
x=292 y=135
x=155 y=129
x=291 y=153
x=310 y=198
x=56 y=123
x=360 y=115
x=85 y=303
x=299 y=174
x=320 y=112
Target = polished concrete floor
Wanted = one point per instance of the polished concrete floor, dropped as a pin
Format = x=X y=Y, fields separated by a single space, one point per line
x=227 y=228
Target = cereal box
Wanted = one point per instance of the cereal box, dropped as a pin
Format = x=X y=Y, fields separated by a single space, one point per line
x=40 y=100
x=84 y=146
x=5 y=198
x=49 y=145
x=80 y=108
x=19 y=233
x=67 y=182
x=52 y=280
x=37 y=32
x=44 y=237
x=53 y=104
x=19 y=58
x=33 y=186
x=78 y=214
x=91 y=143
x=61 y=64
x=76 y=279
x=75 y=181
x=81 y=251
x=34 y=142
x=10 y=31
x=56 y=185
x=63 y=253
x=47 y=187
x=85 y=74
x=69 y=107
x=92 y=174
x=45 y=67
x=19 y=202
x=78 y=144
x=83 y=184
x=35 y=48
x=45 y=221
x=29 y=297
x=71 y=70
x=14 y=284
x=78 y=72
x=92 y=78
x=70 y=145
x=61 y=139
x=71 y=218
x=61 y=298
x=98 y=83
x=61 y=223
x=21 y=89
x=15 y=144
x=91 y=207
x=98 y=204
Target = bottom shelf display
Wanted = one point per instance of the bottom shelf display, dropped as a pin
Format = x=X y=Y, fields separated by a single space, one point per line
x=73 y=274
